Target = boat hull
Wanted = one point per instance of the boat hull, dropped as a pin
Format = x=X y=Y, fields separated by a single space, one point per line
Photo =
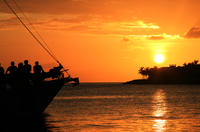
x=32 y=100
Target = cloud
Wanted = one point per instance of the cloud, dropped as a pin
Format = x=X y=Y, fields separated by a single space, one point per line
x=72 y=19
x=141 y=24
x=8 y=23
x=86 y=16
x=164 y=36
x=88 y=24
x=155 y=37
x=98 y=26
x=93 y=21
x=96 y=16
x=194 y=32
x=60 y=6
x=13 y=22
x=93 y=25
x=125 y=39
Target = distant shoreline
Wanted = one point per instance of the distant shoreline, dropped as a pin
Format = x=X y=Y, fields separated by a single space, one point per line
x=189 y=73
x=146 y=81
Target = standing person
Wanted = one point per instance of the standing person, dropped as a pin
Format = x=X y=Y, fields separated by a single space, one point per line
x=1 y=72
x=26 y=74
x=38 y=71
x=26 y=68
x=12 y=69
x=20 y=70
x=2 y=87
x=21 y=78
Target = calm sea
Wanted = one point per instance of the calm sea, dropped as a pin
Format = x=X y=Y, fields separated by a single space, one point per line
x=114 y=107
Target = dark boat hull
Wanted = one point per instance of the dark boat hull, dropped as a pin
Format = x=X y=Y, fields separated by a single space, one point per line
x=47 y=91
x=33 y=100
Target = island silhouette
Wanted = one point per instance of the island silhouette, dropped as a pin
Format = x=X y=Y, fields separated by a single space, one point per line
x=189 y=73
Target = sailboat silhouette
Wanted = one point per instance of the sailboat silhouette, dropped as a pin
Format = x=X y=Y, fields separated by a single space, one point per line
x=34 y=97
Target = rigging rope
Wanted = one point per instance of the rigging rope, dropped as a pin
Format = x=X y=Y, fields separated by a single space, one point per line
x=32 y=34
x=31 y=25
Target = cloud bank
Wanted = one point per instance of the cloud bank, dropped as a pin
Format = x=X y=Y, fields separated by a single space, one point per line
x=194 y=32
x=103 y=17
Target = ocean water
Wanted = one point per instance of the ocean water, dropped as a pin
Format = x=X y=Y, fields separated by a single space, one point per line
x=114 y=107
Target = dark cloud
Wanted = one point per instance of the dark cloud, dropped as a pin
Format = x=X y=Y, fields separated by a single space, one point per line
x=193 y=33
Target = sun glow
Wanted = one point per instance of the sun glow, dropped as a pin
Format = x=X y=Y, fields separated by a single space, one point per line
x=159 y=58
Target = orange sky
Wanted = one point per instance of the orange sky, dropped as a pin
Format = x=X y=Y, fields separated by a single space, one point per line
x=103 y=40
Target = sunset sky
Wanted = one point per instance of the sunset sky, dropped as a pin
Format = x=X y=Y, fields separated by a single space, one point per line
x=102 y=40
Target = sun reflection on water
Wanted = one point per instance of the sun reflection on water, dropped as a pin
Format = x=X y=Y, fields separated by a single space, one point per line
x=159 y=110
x=159 y=125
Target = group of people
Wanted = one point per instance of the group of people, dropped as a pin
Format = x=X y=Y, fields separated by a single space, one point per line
x=23 y=70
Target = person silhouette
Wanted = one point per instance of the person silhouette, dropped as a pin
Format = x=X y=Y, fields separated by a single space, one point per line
x=26 y=68
x=1 y=71
x=20 y=79
x=26 y=74
x=20 y=70
x=2 y=78
x=38 y=70
x=12 y=69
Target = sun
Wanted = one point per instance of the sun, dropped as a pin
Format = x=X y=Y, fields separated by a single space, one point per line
x=159 y=58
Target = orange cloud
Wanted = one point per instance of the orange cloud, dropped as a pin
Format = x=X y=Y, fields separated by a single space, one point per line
x=156 y=36
x=126 y=39
x=86 y=24
x=194 y=32
x=141 y=24
x=8 y=23
x=13 y=22
x=61 y=6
